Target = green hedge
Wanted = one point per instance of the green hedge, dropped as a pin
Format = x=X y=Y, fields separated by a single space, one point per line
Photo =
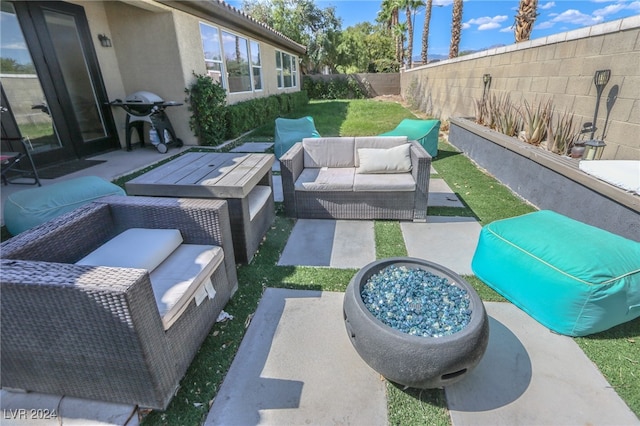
x=338 y=87
x=248 y=115
x=213 y=121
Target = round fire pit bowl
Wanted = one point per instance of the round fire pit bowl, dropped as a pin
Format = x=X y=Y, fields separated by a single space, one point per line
x=412 y=360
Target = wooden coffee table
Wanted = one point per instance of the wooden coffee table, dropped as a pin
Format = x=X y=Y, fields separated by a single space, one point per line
x=244 y=180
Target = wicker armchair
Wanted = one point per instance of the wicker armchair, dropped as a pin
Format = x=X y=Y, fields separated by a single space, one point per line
x=95 y=332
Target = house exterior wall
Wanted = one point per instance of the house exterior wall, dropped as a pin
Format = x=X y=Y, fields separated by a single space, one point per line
x=158 y=48
x=560 y=67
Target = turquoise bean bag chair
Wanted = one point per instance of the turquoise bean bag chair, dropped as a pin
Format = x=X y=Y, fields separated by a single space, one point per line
x=424 y=131
x=25 y=209
x=292 y=130
x=573 y=278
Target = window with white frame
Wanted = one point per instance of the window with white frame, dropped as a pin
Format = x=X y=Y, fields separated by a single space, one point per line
x=236 y=56
x=212 y=52
x=256 y=65
x=286 y=70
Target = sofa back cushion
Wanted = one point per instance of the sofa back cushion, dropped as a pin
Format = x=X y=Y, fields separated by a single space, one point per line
x=135 y=248
x=378 y=142
x=328 y=152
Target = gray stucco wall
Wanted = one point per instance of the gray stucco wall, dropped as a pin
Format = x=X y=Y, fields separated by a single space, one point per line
x=157 y=48
x=560 y=67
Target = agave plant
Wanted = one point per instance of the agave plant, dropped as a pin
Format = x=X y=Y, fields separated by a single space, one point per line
x=492 y=110
x=561 y=133
x=535 y=122
x=481 y=109
x=508 y=119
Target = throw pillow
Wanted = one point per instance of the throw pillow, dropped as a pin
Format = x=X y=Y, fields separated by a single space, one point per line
x=391 y=160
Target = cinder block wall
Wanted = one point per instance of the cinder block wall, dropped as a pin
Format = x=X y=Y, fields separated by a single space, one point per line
x=560 y=67
x=376 y=84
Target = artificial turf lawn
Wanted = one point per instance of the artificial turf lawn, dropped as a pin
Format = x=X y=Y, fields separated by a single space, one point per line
x=615 y=351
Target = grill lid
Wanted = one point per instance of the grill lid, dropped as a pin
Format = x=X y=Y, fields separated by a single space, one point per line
x=144 y=97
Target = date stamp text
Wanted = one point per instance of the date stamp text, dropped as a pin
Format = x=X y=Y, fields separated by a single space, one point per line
x=29 y=414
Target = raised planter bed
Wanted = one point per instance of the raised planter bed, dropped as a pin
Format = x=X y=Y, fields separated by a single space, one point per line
x=547 y=180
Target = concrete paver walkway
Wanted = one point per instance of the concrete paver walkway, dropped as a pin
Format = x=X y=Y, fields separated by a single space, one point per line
x=441 y=195
x=448 y=240
x=333 y=243
x=296 y=366
x=532 y=376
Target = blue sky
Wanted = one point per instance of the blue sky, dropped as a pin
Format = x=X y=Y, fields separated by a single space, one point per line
x=488 y=23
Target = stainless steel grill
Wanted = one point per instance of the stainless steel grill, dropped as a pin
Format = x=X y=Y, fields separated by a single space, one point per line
x=146 y=107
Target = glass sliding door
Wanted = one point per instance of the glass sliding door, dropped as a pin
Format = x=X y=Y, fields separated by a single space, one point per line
x=75 y=73
x=26 y=113
x=58 y=62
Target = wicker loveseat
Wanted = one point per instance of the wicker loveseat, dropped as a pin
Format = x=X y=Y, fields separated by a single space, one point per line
x=375 y=177
x=96 y=332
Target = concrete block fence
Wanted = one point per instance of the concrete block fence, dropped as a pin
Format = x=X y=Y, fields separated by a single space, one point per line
x=560 y=67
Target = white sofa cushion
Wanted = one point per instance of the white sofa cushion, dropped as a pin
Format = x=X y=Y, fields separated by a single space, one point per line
x=624 y=174
x=384 y=182
x=325 y=179
x=391 y=160
x=378 y=142
x=328 y=152
x=183 y=276
x=135 y=248
x=178 y=272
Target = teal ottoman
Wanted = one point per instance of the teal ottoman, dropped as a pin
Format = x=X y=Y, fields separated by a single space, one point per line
x=571 y=277
x=26 y=209
x=426 y=132
x=291 y=130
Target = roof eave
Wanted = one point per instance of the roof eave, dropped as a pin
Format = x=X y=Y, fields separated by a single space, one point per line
x=224 y=14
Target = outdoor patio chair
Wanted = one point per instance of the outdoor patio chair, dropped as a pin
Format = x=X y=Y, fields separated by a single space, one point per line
x=96 y=332
x=17 y=164
x=289 y=131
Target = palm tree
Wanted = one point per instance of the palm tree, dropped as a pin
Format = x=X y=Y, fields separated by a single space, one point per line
x=456 y=29
x=399 y=32
x=527 y=13
x=389 y=15
x=425 y=30
x=410 y=6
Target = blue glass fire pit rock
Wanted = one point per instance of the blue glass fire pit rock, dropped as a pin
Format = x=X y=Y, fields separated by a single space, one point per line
x=416 y=301
x=434 y=352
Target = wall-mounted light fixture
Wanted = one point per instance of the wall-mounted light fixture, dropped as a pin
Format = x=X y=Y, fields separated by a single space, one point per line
x=486 y=79
x=600 y=79
x=104 y=40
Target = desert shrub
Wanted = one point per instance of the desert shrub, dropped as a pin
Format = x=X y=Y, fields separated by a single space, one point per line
x=337 y=87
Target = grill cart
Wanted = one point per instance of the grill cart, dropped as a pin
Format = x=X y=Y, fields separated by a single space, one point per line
x=148 y=107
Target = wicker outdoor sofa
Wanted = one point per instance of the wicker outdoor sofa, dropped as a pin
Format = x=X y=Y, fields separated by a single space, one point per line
x=95 y=332
x=328 y=178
